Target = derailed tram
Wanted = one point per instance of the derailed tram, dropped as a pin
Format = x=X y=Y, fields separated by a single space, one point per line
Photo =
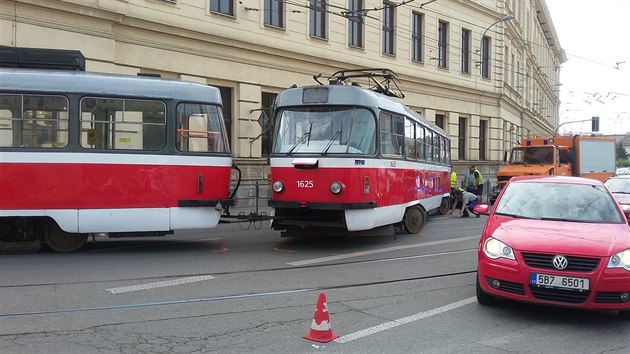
x=355 y=158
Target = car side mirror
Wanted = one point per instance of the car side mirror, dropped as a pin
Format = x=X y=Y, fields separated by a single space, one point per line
x=482 y=209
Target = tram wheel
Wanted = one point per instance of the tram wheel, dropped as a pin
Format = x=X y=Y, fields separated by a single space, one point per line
x=445 y=206
x=61 y=241
x=415 y=218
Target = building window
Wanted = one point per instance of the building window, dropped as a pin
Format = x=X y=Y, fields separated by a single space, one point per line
x=442 y=44
x=267 y=133
x=461 y=139
x=355 y=23
x=439 y=120
x=466 y=51
x=317 y=18
x=513 y=69
x=483 y=139
x=225 y=7
x=485 y=57
x=389 y=34
x=416 y=36
x=226 y=96
x=274 y=13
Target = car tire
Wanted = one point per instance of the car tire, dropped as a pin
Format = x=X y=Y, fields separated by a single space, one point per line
x=484 y=298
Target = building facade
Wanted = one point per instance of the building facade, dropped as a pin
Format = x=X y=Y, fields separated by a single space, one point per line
x=486 y=71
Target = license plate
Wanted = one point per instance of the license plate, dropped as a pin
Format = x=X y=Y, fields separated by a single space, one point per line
x=557 y=281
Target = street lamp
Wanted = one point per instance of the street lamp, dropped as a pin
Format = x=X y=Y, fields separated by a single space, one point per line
x=481 y=46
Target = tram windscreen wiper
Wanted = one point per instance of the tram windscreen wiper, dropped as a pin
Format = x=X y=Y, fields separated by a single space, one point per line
x=330 y=143
x=306 y=136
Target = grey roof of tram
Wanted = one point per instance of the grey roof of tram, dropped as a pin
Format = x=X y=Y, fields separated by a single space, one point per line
x=91 y=83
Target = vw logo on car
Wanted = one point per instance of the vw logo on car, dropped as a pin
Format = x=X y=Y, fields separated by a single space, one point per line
x=560 y=262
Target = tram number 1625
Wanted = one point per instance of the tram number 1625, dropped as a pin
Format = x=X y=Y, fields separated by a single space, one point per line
x=305 y=184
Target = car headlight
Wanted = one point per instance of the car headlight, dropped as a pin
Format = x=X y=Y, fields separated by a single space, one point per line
x=278 y=186
x=494 y=249
x=336 y=187
x=620 y=260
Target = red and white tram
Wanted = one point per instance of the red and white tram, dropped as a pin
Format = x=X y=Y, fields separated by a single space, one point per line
x=356 y=158
x=84 y=153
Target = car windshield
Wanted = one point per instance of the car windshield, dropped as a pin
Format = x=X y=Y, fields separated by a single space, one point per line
x=532 y=155
x=325 y=130
x=618 y=185
x=558 y=201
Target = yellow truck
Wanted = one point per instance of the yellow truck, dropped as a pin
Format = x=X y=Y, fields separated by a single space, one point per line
x=578 y=155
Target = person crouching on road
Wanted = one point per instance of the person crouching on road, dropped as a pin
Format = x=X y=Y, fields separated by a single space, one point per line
x=468 y=202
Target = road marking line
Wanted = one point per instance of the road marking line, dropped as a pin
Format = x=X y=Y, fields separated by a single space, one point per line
x=160 y=284
x=395 y=323
x=421 y=256
x=381 y=250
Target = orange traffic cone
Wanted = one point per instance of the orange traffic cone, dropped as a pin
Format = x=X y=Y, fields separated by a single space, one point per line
x=320 y=328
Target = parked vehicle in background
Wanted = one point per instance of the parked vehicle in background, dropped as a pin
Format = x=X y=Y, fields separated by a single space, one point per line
x=578 y=155
x=623 y=171
x=560 y=241
x=619 y=186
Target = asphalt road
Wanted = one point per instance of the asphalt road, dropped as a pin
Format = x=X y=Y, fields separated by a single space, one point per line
x=234 y=290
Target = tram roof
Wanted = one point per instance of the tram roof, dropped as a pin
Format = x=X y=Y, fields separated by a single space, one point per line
x=352 y=95
x=101 y=84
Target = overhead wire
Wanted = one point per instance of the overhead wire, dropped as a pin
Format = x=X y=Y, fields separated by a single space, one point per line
x=404 y=34
x=496 y=62
x=345 y=13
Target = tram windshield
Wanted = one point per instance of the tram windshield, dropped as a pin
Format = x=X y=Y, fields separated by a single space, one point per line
x=325 y=130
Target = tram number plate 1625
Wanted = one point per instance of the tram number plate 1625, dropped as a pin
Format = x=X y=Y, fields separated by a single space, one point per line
x=305 y=184
x=557 y=281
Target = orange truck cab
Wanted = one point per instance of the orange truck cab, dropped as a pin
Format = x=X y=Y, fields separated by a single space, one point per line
x=577 y=155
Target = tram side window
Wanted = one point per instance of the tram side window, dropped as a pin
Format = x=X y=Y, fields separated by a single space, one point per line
x=410 y=139
x=428 y=145
x=200 y=128
x=33 y=121
x=420 y=131
x=446 y=151
x=392 y=130
x=437 y=148
x=123 y=124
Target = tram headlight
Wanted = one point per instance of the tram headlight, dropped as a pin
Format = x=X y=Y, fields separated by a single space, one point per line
x=336 y=187
x=278 y=186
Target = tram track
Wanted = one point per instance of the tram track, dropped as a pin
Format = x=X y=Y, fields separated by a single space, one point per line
x=236 y=272
x=237 y=296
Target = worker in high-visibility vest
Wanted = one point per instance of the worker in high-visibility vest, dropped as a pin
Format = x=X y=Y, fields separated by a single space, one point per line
x=453 y=180
x=474 y=181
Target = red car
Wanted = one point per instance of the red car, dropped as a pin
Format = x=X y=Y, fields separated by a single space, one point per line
x=619 y=186
x=560 y=241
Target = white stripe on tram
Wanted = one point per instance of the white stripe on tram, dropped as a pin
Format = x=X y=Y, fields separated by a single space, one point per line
x=160 y=284
x=380 y=250
x=114 y=159
x=399 y=322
